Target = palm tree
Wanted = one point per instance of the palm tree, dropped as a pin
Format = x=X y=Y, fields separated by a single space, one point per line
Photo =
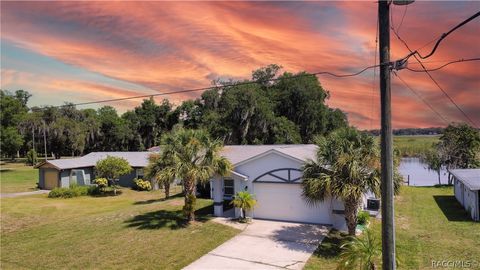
x=195 y=158
x=360 y=253
x=347 y=166
x=160 y=169
x=244 y=201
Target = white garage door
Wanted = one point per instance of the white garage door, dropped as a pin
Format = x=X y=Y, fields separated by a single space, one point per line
x=284 y=202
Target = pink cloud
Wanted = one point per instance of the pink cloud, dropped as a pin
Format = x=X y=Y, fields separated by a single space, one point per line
x=166 y=46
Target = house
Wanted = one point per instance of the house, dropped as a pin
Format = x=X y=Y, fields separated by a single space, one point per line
x=467 y=190
x=273 y=174
x=64 y=172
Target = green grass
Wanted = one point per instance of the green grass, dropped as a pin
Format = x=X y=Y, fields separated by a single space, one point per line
x=16 y=177
x=430 y=225
x=414 y=146
x=136 y=230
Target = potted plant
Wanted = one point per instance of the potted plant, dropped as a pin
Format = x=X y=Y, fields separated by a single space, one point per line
x=245 y=202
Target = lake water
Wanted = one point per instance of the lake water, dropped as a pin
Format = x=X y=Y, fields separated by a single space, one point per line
x=419 y=174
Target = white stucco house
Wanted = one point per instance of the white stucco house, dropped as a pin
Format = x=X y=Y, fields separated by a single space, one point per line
x=467 y=190
x=272 y=173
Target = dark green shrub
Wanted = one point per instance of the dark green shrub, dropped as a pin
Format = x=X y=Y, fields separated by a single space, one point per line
x=60 y=193
x=141 y=185
x=94 y=190
x=73 y=191
x=363 y=217
x=79 y=190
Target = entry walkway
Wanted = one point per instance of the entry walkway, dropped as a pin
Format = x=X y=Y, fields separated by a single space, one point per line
x=265 y=245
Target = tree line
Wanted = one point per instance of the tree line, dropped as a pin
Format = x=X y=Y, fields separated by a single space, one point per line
x=411 y=131
x=288 y=109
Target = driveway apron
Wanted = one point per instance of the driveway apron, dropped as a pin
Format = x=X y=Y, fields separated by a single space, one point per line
x=265 y=245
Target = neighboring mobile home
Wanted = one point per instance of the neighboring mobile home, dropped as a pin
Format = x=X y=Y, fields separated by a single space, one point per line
x=64 y=172
x=467 y=190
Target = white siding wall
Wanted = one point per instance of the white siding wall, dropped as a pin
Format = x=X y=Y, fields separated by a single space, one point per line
x=471 y=203
x=283 y=201
x=458 y=188
x=468 y=199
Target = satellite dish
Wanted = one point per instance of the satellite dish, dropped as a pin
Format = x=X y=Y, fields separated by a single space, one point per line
x=402 y=2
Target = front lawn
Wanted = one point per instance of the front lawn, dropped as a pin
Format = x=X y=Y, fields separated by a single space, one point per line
x=16 y=177
x=136 y=230
x=430 y=225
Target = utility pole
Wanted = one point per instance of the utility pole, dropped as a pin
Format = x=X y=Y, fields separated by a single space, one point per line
x=388 y=223
x=44 y=140
x=33 y=138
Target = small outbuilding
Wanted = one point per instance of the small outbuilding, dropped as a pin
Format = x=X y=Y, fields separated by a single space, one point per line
x=467 y=190
x=64 y=172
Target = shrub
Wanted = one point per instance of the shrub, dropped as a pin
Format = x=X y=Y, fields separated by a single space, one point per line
x=31 y=157
x=73 y=191
x=112 y=168
x=102 y=183
x=94 y=190
x=141 y=185
x=363 y=217
x=60 y=193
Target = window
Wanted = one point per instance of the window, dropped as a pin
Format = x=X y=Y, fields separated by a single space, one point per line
x=228 y=188
x=140 y=173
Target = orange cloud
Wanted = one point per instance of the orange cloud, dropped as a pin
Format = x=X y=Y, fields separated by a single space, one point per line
x=167 y=46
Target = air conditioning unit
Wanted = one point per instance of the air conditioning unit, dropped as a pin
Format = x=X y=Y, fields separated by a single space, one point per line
x=373 y=204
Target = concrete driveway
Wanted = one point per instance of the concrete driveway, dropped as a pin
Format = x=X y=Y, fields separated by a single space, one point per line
x=19 y=194
x=265 y=245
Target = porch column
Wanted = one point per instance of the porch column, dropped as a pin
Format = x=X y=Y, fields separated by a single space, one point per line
x=217 y=196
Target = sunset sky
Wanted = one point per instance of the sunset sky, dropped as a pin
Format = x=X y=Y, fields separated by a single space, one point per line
x=87 y=51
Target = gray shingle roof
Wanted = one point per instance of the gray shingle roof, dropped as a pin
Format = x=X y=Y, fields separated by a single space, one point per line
x=240 y=153
x=234 y=153
x=136 y=159
x=470 y=177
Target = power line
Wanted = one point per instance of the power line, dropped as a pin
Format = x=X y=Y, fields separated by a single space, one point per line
x=401 y=21
x=444 y=92
x=403 y=17
x=446 y=64
x=421 y=98
x=443 y=36
x=224 y=86
x=437 y=61
x=412 y=53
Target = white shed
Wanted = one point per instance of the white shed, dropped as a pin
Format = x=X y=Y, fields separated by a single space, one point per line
x=466 y=188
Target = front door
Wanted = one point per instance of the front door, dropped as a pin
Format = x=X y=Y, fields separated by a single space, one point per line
x=228 y=189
